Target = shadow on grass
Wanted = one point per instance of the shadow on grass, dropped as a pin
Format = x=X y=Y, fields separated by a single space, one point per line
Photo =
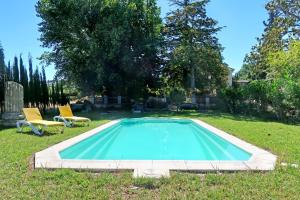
x=187 y=114
x=113 y=115
x=46 y=133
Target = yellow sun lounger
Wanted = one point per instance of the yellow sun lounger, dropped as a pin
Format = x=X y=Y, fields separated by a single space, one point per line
x=66 y=116
x=35 y=121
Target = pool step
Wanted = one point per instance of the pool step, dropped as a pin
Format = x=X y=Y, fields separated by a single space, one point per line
x=151 y=173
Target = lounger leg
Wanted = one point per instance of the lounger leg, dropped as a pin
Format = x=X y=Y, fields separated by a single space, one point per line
x=66 y=122
x=22 y=123
x=20 y=126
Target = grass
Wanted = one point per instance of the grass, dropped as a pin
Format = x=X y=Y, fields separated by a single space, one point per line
x=18 y=180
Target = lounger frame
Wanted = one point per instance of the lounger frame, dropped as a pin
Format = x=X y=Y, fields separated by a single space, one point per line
x=70 y=123
x=38 y=131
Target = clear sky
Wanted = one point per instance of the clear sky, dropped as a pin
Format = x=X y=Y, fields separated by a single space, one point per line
x=243 y=21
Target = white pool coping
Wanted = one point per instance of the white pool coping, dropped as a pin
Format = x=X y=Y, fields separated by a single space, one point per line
x=261 y=160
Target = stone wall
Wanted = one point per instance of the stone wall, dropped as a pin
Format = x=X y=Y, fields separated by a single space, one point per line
x=13 y=103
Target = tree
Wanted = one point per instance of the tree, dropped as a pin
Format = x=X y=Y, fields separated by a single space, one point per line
x=53 y=95
x=286 y=14
x=16 y=74
x=193 y=50
x=57 y=93
x=63 y=97
x=36 y=88
x=286 y=62
x=2 y=62
x=9 y=72
x=97 y=44
x=31 y=82
x=282 y=27
x=2 y=75
x=24 y=80
x=44 y=86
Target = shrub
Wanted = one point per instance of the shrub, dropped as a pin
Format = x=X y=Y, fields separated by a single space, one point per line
x=281 y=95
x=232 y=98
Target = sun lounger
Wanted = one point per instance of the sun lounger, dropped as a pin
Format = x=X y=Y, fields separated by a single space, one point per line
x=67 y=117
x=34 y=120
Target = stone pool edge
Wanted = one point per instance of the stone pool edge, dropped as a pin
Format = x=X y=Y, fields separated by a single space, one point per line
x=261 y=160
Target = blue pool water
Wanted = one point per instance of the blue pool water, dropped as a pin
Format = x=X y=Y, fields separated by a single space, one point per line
x=155 y=139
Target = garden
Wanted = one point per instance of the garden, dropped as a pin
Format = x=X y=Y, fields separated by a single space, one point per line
x=119 y=60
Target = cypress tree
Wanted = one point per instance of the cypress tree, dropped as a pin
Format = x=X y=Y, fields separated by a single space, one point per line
x=2 y=62
x=26 y=88
x=63 y=97
x=9 y=72
x=57 y=95
x=31 y=82
x=45 y=91
x=24 y=79
x=36 y=87
x=16 y=73
x=2 y=76
x=53 y=95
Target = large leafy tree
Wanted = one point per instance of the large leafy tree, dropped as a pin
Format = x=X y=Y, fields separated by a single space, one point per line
x=193 y=51
x=102 y=44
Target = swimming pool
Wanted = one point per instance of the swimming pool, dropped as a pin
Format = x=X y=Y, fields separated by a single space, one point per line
x=155 y=139
x=154 y=146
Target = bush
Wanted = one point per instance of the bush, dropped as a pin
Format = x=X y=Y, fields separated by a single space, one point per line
x=284 y=97
x=255 y=95
x=232 y=98
x=280 y=95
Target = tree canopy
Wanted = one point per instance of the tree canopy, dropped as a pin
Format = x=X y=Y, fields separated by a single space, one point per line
x=282 y=27
x=193 y=50
x=274 y=63
x=103 y=44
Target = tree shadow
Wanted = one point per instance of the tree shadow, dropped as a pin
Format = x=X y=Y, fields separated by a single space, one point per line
x=46 y=133
x=188 y=114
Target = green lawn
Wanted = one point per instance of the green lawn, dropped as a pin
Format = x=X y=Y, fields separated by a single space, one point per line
x=18 y=180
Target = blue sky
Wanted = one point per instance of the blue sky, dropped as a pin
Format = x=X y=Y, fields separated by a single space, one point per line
x=243 y=21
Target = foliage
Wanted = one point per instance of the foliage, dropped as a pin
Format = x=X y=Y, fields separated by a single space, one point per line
x=35 y=86
x=103 y=44
x=18 y=180
x=281 y=28
x=284 y=96
x=2 y=76
x=15 y=72
x=256 y=95
x=286 y=62
x=193 y=52
x=24 y=81
x=57 y=95
x=279 y=97
x=232 y=98
x=275 y=62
